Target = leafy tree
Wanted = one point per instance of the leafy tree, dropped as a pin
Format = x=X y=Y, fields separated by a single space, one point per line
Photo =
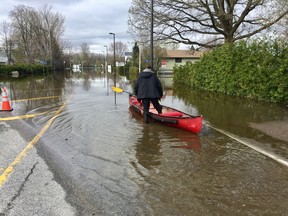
x=204 y=23
x=135 y=55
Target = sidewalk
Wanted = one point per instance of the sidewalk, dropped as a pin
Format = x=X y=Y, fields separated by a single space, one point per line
x=275 y=129
x=30 y=188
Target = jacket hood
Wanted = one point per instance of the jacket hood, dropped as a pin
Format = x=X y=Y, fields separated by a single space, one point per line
x=146 y=73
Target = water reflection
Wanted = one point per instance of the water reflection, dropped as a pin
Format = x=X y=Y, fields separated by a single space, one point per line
x=236 y=115
x=154 y=135
x=230 y=112
x=192 y=142
x=148 y=148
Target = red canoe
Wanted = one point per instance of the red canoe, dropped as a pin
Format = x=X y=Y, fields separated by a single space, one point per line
x=170 y=116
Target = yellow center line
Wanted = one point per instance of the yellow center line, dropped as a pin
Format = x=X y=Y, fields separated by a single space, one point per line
x=39 y=98
x=8 y=171
x=23 y=116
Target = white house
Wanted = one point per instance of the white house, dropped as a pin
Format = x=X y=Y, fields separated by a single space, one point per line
x=127 y=56
x=177 y=57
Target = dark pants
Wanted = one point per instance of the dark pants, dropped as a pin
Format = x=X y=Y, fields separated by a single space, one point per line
x=146 y=105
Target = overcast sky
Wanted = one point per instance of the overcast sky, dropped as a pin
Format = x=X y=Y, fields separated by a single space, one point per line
x=86 y=21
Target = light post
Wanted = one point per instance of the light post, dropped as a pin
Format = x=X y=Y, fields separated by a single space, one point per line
x=140 y=53
x=106 y=68
x=114 y=65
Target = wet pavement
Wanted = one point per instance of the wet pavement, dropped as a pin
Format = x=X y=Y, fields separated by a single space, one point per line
x=107 y=161
x=277 y=129
x=30 y=188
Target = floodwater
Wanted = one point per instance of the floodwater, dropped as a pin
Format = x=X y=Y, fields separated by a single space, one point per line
x=109 y=159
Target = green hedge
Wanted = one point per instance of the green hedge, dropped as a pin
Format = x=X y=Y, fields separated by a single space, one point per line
x=24 y=69
x=133 y=73
x=254 y=69
x=123 y=70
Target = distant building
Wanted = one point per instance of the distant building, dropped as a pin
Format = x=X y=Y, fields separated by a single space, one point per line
x=128 y=56
x=177 y=57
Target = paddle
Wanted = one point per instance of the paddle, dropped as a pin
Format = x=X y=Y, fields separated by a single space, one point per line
x=119 y=90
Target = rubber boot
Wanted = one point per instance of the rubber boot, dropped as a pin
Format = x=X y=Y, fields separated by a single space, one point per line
x=146 y=118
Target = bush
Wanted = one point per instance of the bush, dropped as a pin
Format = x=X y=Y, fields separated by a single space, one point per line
x=256 y=69
x=123 y=70
x=24 y=69
x=133 y=73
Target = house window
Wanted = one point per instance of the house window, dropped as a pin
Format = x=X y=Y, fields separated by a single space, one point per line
x=178 y=60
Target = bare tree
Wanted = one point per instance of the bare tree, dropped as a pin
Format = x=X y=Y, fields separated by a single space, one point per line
x=85 y=52
x=53 y=27
x=23 y=30
x=120 y=49
x=37 y=33
x=204 y=23
x=281 y=28
x=159 y=54
x=6 y=32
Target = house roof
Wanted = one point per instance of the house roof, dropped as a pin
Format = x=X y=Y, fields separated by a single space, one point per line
x=184 y=54
x=128 y=54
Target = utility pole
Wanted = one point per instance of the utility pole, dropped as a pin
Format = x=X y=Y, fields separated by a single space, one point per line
x=106 y=68
x=151 y=36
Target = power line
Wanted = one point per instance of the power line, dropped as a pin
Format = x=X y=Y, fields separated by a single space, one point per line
x=119 y=35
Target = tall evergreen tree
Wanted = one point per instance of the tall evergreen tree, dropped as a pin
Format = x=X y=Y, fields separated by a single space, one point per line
x=135 y=55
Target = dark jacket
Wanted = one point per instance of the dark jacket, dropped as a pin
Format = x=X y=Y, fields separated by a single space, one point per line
x=148 y=85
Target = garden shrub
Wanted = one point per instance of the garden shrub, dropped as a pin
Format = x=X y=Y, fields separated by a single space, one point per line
x=24 y=68
x=256 y=69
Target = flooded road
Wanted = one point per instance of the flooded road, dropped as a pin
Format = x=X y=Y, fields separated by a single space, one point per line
x=111 y=163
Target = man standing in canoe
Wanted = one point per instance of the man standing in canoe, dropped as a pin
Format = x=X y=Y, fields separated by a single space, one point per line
x=148 y=88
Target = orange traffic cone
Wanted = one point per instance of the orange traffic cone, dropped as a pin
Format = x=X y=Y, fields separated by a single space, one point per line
x=5 y=102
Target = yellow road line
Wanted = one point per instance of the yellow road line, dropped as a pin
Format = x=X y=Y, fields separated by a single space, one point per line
x=8 y=171
x=23 y=116
x=39 y=98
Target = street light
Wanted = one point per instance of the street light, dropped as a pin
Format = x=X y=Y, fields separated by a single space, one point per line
x=106 y=68
x=114 y=65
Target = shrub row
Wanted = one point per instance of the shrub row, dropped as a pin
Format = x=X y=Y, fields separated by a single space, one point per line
x=255 y=69
x=24 y=69
x=133 y=74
